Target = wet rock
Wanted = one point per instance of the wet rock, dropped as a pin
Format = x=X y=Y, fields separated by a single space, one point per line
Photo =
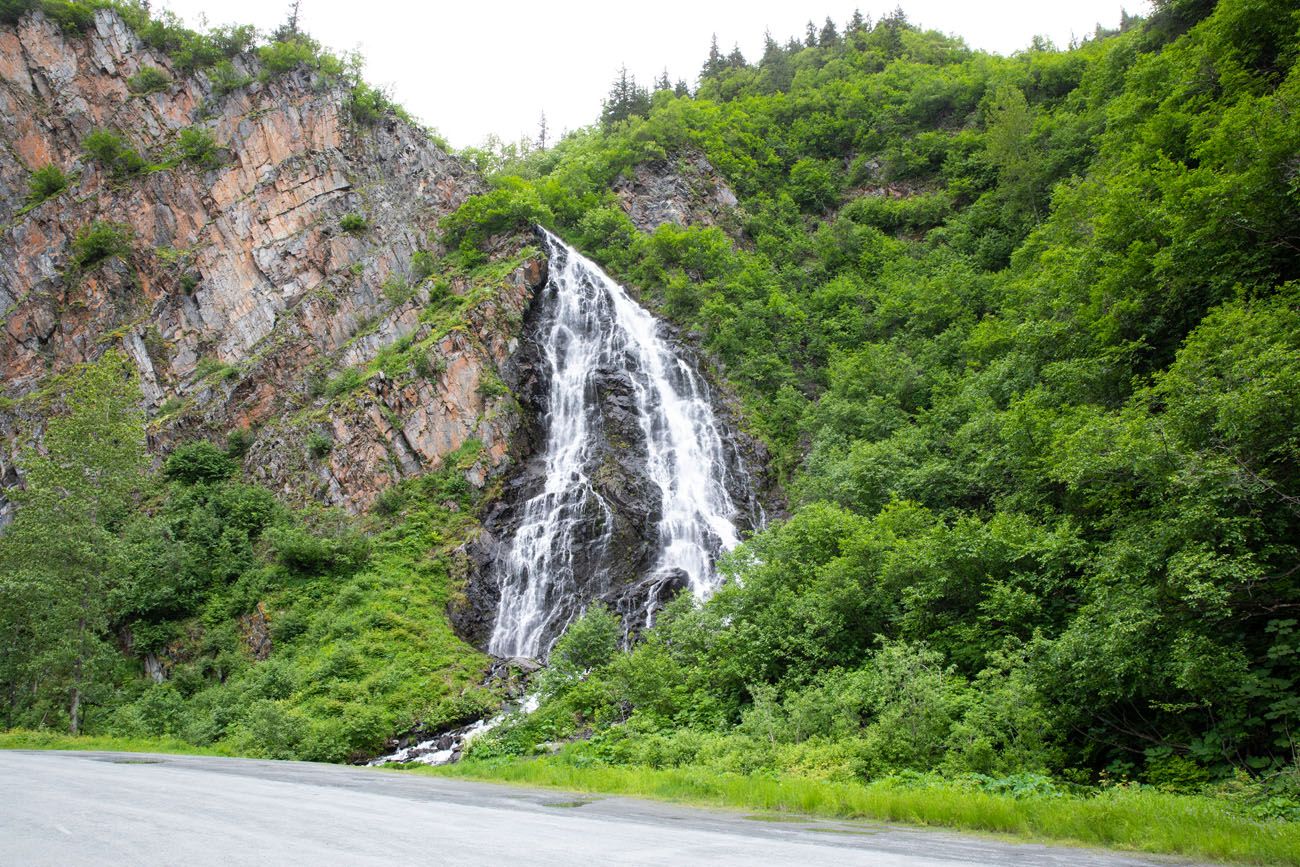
x=615 y=542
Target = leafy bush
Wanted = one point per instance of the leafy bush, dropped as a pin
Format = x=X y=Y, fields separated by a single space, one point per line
x=46 y=182
x=367 y=104
x=100 y=241
x=390 y=501
x=813 y=184
x=491 y=387
x=197 y=463
x=213 y=368
x=318 y=444
x=72 y=16
x=589 y=643
x=238 y=442
x=285 y=55
x=343 y=383
x=512 y=207
x=195 y=144
x=396 y=290
x=308 y=553
x=150 y=79
x=12 y=10
x=428 y=365
x=423 y=264
x=225 y=78
x=111 y=150
x=354 y=223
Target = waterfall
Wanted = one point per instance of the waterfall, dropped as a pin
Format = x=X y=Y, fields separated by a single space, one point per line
x=592 y=325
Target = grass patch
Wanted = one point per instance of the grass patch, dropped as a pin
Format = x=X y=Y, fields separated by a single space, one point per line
x=27 y=739
x=1120 y=818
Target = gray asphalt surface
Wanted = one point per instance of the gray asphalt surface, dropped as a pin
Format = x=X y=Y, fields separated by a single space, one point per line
x=117 y=808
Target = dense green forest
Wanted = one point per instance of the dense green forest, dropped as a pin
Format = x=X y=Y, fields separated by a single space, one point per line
x=1022 y=335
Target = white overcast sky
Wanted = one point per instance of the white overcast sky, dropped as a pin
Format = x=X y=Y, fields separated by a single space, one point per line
x=492 y=66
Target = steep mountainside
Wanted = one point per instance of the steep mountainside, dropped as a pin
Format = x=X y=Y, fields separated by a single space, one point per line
x=265 y=242
x=250 y=237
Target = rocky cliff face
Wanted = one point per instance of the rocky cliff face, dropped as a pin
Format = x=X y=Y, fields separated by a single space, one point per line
x=242 y=300
x=280 y=291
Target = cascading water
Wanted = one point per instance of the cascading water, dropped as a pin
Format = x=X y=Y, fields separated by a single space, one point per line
x=593 y=325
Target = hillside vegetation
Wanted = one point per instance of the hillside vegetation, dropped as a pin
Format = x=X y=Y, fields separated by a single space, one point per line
x=1022 y=335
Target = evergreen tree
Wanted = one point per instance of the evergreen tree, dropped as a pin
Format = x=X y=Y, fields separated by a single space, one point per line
x=736 y=60
x=289 y=30
x=715 y=64
x=775 y=66
x=829 y=36
x=626 y=98
x=810 y=36
x=888 y=34
x=63 y=553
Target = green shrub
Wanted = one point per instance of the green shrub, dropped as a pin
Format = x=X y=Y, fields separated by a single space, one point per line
x=150 y=79
x=286 y=55
x=46 y=182
x=212 y=368
x=238 y=442
x=195 y=144
x=390 y=501
x=170 y=406
x=423 y=264
x=427 y=365
x=71 y=16
x=268 y=730
x=110 y=150
x=354 y=223
x=513 y=207
x=367 y=104
x=225 y=78
x=396 y=290
x=198 y=462
x=100 y=241
x=13 y=10
x=912 y=212
x=318 y=444
x=233 y=40
x=589 y=643
x=344 y=382
x=490 y=387
x=308 y=553
x=813 y=184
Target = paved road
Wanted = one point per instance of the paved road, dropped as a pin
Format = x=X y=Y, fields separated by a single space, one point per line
x=118 y=808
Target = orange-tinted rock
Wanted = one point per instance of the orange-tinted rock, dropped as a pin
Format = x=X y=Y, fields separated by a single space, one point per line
x=242 y=265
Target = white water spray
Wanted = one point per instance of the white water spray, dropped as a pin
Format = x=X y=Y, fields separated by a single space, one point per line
x=597 y=325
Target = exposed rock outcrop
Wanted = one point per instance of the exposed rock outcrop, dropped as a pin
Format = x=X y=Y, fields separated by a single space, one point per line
x=686 y=191
x=242 y=294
